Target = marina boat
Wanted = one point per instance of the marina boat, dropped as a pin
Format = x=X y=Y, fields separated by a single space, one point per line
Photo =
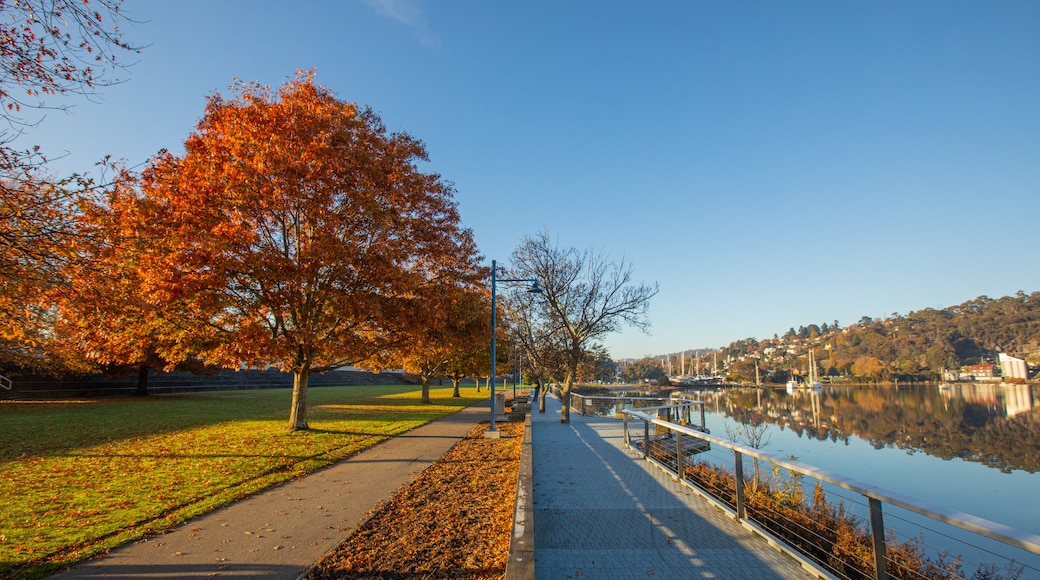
x=813 y=380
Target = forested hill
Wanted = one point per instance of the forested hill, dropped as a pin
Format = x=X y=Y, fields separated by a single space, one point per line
x=912 y=346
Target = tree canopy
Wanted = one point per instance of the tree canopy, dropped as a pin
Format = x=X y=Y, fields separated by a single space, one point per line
x=47 y=48
x=296 y=232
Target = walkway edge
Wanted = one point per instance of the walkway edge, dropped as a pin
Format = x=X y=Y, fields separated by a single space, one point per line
x=371 y=513
x=520 y=565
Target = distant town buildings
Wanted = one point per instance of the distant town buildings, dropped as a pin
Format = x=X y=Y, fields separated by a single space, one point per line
x=1012 y=368
x=1008 y=367
x=979 y=372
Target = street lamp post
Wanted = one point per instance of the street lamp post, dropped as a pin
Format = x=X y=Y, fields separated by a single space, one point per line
x=492 y=432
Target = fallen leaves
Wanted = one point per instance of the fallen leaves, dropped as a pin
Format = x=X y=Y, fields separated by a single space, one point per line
x=440 y=526
x=81 y=479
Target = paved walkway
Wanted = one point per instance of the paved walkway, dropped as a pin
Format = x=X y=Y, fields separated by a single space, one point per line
x=601 y=511
x=279 y=533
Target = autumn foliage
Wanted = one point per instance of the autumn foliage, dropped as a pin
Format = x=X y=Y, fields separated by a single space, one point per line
x=451 y=522
x=295 y=232
x=450 y=340
x=47 y=48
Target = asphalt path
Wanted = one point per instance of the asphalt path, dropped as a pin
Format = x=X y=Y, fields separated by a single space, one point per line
x=281 y=532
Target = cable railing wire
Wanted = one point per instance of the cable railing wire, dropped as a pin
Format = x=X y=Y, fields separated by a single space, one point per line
x=848 y=536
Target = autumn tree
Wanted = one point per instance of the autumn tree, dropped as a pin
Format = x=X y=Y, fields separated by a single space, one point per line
x=454 y=325
x=33 y=232
x=463 y=364
x=869 y=367
x=298 y=231
x=101 y=316
x=48 y=48
x=585 y=297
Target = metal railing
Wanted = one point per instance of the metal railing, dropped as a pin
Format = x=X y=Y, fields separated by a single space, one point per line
x=614 y=405
x=776 y=507
x=5 y=383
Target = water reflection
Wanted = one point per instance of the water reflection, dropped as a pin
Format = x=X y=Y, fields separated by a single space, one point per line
x=995 y=425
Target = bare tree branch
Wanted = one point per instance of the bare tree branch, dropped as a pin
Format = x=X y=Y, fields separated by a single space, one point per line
x=585 y=297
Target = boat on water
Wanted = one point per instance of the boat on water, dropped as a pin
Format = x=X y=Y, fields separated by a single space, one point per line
x=698 y=380
x=813 y=380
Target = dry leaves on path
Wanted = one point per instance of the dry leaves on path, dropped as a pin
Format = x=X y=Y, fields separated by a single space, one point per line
x=453 y=521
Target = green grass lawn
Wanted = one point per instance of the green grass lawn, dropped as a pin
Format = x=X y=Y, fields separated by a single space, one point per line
x=81 y=477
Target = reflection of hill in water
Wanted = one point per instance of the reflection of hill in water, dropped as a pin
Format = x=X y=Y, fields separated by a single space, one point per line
x=995 y=425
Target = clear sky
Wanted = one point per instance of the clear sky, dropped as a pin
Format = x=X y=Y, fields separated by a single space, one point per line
x=769 y=164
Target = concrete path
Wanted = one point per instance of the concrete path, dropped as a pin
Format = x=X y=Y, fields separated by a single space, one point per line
x=280 y=533
x=601 y=511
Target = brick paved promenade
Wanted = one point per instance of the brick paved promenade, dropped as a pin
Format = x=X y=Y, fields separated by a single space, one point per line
x=601 y=511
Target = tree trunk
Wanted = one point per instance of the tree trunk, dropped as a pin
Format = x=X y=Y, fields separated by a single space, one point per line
x=426 y=390
x=455 y=394
x=565 y=397
x=298 y=412
x=142 y=381
x=541 y=395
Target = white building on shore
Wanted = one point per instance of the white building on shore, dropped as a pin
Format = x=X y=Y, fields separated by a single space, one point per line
x=1012 y=368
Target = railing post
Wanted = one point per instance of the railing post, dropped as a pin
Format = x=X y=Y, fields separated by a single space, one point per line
x=646 y=439
x=702 y=417
x=624 y=423
x=877 y=532
x=679 y=470
x=738 y=472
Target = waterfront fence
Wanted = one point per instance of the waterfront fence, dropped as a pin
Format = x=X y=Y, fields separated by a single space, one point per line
x=841 y=527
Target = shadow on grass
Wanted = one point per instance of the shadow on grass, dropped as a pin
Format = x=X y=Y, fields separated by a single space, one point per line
x=44 y=429
x=59 y=431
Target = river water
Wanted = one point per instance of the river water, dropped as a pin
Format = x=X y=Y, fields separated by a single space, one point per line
x=973 y=448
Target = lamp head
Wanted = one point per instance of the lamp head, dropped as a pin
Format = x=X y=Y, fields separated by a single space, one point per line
x=535 y=288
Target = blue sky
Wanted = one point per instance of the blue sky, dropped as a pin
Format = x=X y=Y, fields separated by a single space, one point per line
x=769 y=164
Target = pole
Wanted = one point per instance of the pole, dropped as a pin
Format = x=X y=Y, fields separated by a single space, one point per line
x=514 y=372
x=492 y=433
x=494 y=331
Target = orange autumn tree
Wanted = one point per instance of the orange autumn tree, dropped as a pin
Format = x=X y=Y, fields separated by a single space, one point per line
x=456 y=323
x=298 y=231
x=47 y=48
x=36 y=236
x=102 y=316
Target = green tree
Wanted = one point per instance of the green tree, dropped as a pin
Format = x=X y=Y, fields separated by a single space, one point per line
x=644 y=369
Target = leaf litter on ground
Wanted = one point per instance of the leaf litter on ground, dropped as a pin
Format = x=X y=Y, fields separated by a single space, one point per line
x=453 y=521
